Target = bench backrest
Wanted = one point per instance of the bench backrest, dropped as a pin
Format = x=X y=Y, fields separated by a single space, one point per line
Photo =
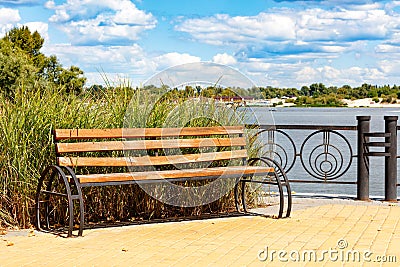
x=148 y=146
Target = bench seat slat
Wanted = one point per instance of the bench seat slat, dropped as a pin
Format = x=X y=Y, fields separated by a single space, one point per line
x=148 y=144
x=236 y=171
x=62 y=134
x=150 y=160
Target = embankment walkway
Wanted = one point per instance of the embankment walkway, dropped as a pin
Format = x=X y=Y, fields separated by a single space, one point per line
x=319 y=233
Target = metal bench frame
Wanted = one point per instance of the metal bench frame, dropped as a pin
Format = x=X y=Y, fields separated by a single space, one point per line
x=65 y=175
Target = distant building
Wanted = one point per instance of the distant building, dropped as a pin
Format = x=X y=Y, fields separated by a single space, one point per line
x=237 y=100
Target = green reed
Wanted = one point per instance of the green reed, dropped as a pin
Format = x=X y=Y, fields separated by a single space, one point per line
x=26 y=145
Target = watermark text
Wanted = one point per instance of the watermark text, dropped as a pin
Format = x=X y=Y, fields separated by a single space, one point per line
x=341 y=253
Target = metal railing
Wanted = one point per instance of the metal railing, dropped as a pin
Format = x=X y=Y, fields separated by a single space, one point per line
x=326 y=153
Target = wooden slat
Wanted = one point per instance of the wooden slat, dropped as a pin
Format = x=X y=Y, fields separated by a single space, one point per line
x=149 y=161
x=62 y=134
x=148 y=144
x=175 y=174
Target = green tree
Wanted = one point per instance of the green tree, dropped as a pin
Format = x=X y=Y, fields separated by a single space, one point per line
x=22 y=38
x=305 y=91
x=21 y=62
x=15 y=69
x=317 y=89
x=228 y=92
x=71 y=80
x=189 y=91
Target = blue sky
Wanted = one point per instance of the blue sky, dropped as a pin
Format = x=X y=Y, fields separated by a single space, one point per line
x=276 y=43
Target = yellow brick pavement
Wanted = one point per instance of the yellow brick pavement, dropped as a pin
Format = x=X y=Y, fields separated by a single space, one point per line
x=350 y=235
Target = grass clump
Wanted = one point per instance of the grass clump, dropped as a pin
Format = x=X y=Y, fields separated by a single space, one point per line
x=26 y=145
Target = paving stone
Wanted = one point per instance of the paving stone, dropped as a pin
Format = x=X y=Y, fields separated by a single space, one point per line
x=315 y=225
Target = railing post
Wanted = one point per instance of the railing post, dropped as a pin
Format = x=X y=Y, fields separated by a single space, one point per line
x=363 y=127
x=391 y=160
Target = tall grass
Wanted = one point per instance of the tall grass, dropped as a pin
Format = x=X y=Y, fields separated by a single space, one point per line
x=26 y=145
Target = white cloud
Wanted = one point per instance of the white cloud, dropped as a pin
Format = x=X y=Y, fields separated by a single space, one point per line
x=117 y=61
x=330 y=73
x=292 y=31
x=224 y=59
x=364 y=6
x=173 y=59
x=330 y=76
x=101 y=22
x=8 y=18
x=222 y=29
x=280 y=47
x=345 y=25
x=387 y=48
x=20 y=2
x=390 y=70
x=136 y=64
x=119 y=58
x=8 y=15
x=41 y=27
x=298 y=74
x=353 y=4
x=306 y=74
x=50 y=4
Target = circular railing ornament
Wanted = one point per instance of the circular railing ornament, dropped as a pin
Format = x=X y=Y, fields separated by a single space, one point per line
x=279 y=146
x=329 y=159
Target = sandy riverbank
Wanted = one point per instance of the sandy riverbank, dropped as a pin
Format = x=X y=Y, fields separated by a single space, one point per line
x=365 y=102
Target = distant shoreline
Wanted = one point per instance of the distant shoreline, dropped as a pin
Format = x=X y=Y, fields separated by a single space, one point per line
x=357 y=103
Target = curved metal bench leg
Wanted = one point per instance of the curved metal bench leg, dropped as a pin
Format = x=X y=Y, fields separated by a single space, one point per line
x=53 y=171
x=244 y=205
x=79 y=198
x=281 y=181
x=281 y=196
x=236 y=196
x=37 y=198
x=285 y=182
x=242 y=195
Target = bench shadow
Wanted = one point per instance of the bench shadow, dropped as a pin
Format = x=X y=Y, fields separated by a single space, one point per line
x=63 y=231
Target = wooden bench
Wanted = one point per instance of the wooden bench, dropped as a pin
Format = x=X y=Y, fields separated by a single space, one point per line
x=169 y=154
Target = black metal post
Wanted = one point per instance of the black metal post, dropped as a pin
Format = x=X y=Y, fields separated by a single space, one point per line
x=363 y=127
x=391 y=161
